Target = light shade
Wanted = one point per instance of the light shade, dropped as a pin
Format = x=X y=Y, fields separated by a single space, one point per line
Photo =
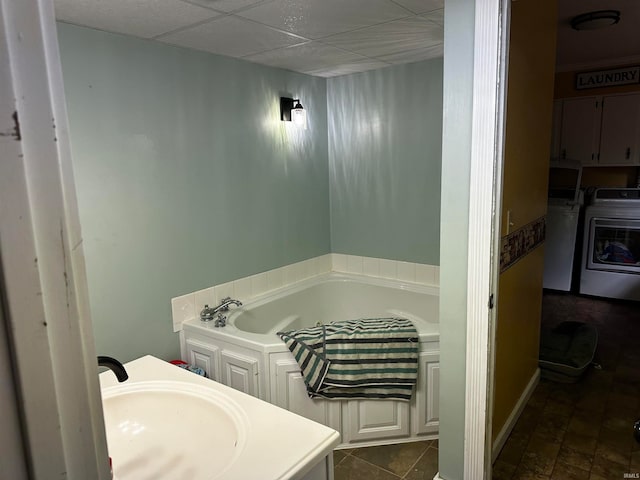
x=595 y=20
x=299 y=115
x=292 y=110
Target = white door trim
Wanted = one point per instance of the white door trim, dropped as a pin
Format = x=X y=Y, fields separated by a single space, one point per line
x=42 y=262
x=491 y=30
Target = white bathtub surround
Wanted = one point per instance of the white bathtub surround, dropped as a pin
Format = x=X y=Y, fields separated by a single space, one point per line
x=248 y=355
x=384 y=268
x=187 y=307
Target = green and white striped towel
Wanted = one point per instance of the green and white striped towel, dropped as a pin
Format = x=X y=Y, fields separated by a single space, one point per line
x=365 y=358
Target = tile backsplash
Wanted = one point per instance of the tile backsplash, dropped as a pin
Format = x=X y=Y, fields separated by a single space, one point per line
x=186 y=307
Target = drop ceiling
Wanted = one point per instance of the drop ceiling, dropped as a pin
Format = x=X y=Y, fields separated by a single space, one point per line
x=317 y=37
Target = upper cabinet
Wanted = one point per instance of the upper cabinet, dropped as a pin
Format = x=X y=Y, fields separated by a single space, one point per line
x=580 y=130
x=620 y=130
x=598 y=130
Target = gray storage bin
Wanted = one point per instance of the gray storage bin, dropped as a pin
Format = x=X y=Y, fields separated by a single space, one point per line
x=567 y=350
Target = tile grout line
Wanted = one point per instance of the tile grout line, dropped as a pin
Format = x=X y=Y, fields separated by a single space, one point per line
x=377 y=466
x=416 y=462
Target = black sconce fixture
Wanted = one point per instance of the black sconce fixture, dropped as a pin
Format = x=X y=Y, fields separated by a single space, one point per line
x=595 y=20
x=291 y=110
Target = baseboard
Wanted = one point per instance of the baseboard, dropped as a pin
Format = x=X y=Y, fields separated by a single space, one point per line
x=437 y=477
x=515 y=414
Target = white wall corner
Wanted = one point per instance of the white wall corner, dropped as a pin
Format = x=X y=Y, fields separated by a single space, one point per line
x=339 y=262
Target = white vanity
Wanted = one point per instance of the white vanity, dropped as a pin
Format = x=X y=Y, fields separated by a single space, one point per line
x=167 y=423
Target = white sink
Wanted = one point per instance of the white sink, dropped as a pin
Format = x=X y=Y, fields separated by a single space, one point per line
x=165 y=429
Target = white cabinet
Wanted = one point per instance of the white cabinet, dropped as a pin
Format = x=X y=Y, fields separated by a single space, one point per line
x=289 y=391
x=375 y=419
x=620 y=133
x=224 y=362
x=203 y=354
x=427 y=398
x=597 y=130
x=275 y=376
x=240 y=372
x=580 y=130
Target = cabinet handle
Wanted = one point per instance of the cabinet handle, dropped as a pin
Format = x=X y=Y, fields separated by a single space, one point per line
x=628 y=154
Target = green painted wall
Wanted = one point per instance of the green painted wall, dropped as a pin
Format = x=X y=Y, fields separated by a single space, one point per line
x=456 y=164
x=186 y=177
x=385 y=137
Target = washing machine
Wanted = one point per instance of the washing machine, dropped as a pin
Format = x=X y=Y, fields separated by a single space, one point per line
x=561 y=231
x=611 y=254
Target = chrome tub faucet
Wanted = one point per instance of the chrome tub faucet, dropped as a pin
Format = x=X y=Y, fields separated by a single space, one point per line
x=208 y=313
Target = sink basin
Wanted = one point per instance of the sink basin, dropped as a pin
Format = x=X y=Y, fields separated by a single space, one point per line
x=164 y=430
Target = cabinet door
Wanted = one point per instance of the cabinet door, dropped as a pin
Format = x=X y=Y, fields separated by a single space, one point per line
x=375 y=420
x=427 y=398
x=580 y=129
x=620 y=130
x=205 y=356
x=289 y=391
x=240 y=372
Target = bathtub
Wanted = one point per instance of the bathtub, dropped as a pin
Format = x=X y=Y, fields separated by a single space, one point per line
x=248 y=355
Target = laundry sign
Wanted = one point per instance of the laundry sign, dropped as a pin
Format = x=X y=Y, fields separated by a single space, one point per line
x=608 y=78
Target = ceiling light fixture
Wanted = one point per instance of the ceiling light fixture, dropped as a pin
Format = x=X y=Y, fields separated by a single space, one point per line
x=291 y=110
x=595 y=20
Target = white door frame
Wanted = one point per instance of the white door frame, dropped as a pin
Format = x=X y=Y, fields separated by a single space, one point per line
x=491 y=37
x=45 y=290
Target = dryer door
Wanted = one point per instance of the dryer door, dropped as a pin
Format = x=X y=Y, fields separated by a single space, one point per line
x=614 y=245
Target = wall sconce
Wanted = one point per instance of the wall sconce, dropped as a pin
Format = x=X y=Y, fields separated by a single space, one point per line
x=594 y=20
x=291 y=110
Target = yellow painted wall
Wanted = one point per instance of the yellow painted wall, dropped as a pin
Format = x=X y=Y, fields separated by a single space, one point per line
x=596 y=177
x=527 y=151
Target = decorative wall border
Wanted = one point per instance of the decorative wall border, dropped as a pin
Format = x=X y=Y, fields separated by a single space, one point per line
x=519 y=243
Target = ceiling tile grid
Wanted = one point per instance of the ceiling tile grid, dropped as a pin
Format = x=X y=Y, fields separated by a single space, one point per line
x=316 y=19
x=140 y=18
x=316 y=37
x=231 y=36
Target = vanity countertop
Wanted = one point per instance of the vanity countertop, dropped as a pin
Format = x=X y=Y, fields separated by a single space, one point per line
x=277 y=444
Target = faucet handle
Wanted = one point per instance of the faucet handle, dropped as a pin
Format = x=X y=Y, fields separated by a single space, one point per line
x=221 y=321
x=225 y=299
x=206 y=315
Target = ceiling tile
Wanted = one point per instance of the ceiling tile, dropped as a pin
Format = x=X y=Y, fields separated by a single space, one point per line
x=417 y=55
x=320 y=18
x=347 y=68
x=310 y=57
x=140 y=18
x=390 y=38
x=225 y=5
x=232 y=36
x=436 y=16
x=421 y=6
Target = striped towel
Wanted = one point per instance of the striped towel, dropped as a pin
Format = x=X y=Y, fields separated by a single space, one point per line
x=366 y=358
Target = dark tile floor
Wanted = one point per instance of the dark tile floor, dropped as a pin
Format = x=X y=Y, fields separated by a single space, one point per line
x=583 y=430
x=409 y=461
